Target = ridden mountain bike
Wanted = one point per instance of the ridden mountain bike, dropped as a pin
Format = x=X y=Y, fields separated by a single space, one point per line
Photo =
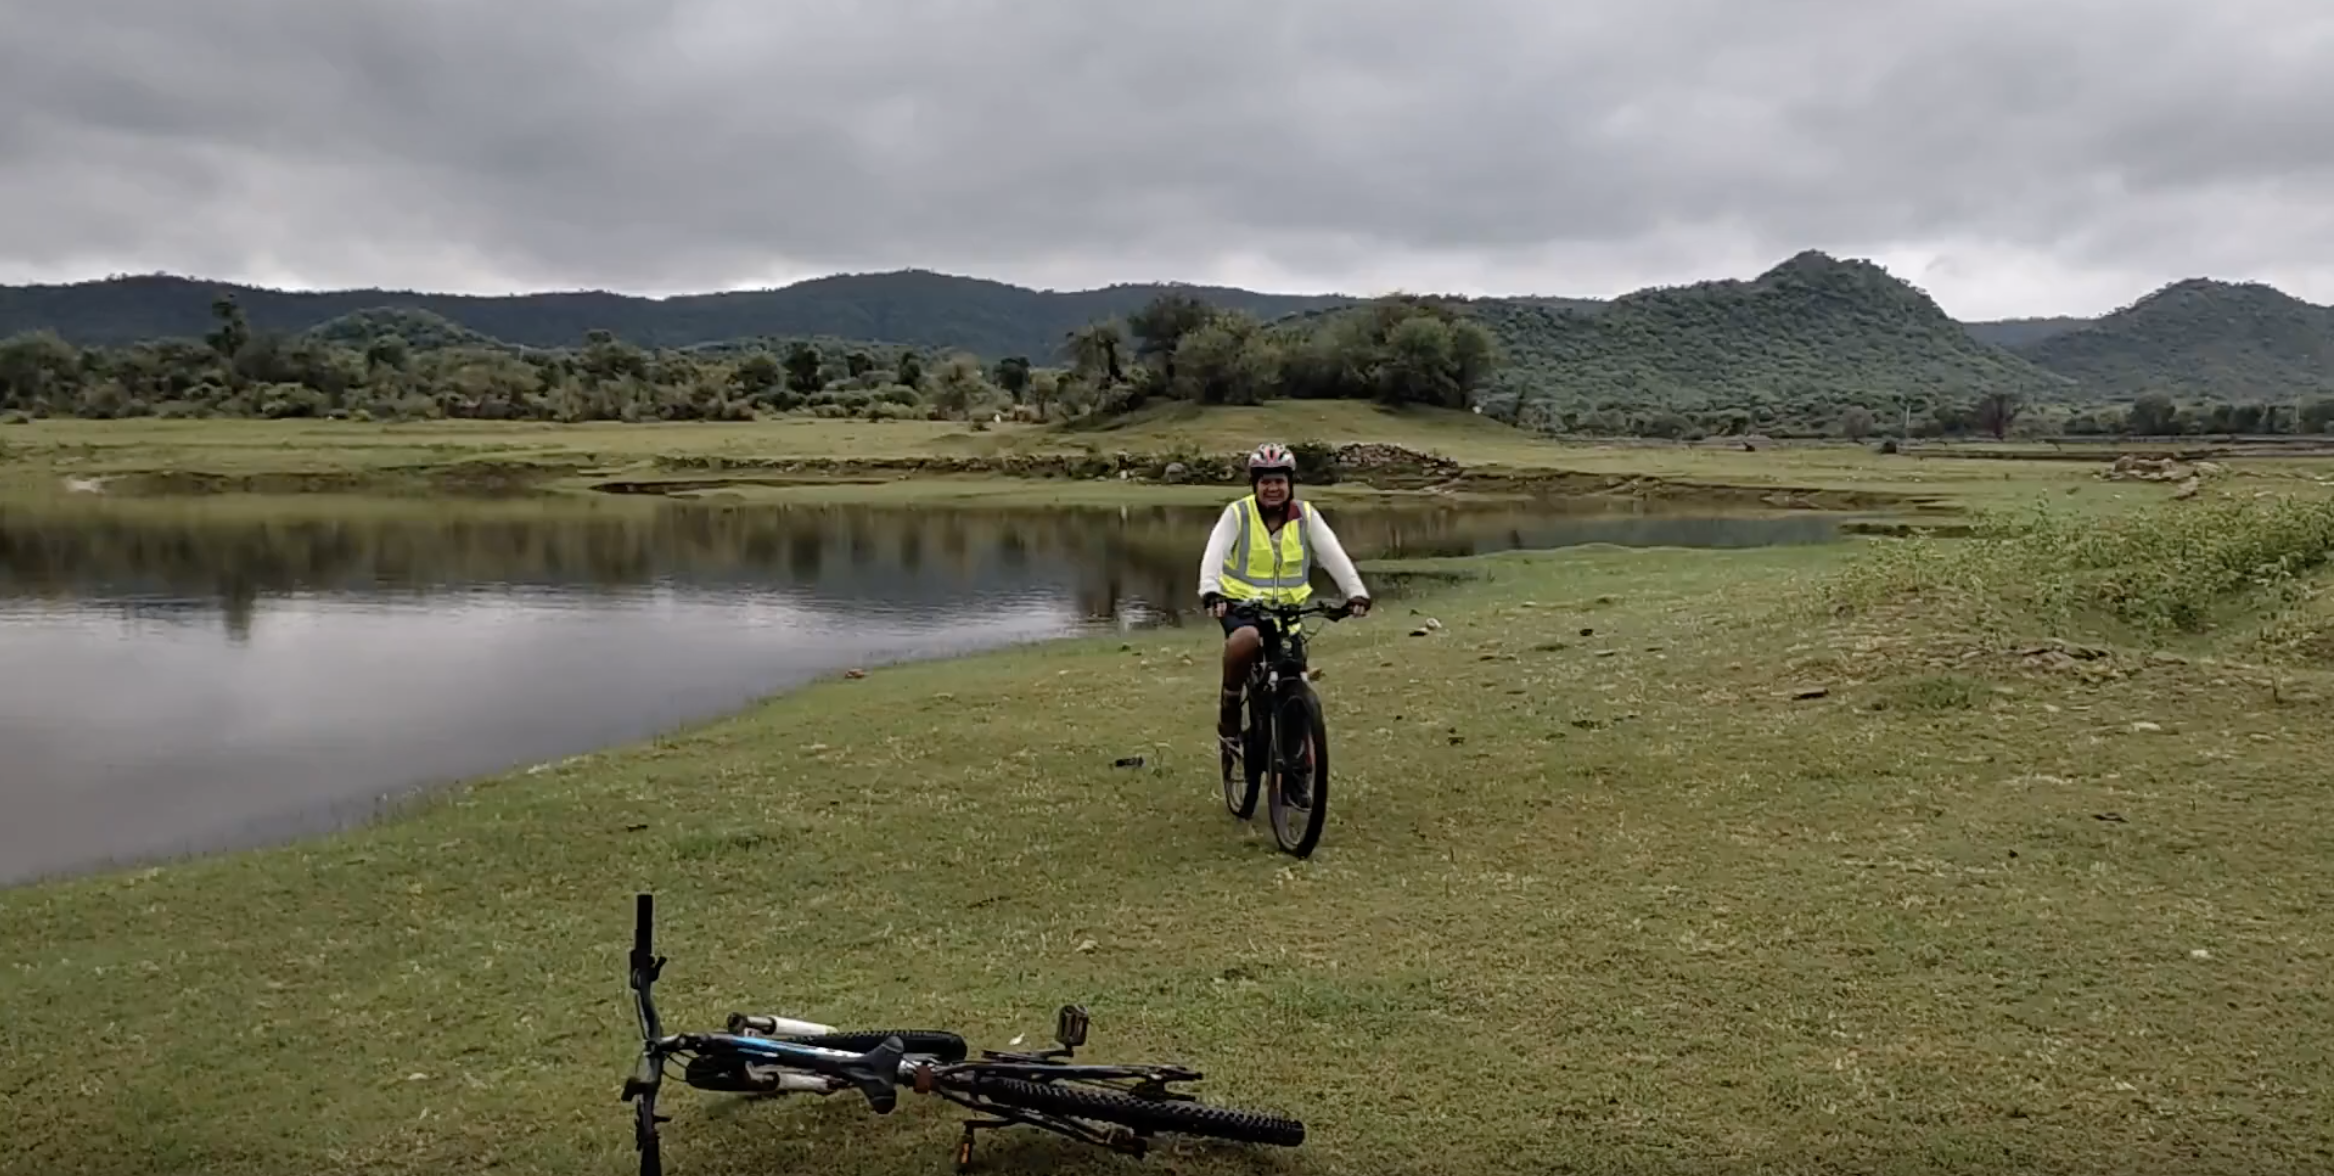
x=1115 y=1107
x=1284 y=749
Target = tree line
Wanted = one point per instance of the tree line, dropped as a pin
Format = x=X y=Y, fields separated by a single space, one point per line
x=406 y=365
x=2000 y=415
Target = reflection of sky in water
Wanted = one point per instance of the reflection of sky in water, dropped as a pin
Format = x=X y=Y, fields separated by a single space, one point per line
x=177 y=683
x=128 y=732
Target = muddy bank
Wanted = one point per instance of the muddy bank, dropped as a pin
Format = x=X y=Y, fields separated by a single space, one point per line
x=1377 y=466
x=2107 y=450
x=468 y=478
x=1683 y=491
x=1908 y=530
x=1383 y=467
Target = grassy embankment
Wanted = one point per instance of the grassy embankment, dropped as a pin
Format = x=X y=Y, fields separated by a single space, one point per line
x=1609 y=886
x=805 y=460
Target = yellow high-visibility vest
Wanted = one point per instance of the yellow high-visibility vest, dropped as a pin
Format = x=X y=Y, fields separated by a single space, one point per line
x=1263 y=566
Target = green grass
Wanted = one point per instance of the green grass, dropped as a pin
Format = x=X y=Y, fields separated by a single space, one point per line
x=1728 y=882
x=2137 y=576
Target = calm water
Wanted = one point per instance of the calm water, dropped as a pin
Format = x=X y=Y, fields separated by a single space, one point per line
x=177 y=677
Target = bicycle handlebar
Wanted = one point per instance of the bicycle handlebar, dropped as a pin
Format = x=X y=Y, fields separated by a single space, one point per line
x=876 y=1073
x=1335 y=612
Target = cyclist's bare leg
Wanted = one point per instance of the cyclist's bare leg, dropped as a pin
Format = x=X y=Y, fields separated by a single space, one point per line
x=1240 y=650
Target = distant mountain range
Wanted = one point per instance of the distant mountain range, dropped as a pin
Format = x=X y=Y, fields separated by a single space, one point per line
x=1813 y=325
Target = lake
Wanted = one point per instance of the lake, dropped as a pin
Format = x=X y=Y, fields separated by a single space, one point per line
x=185 y=676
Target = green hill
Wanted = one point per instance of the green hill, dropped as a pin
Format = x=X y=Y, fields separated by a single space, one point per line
x=2236 y=342
x=908 y=307
x=1813 y=331
x=1801 y=341
x=2019 y=332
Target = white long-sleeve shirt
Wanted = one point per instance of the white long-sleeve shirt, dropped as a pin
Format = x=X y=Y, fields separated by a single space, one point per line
x=1319 y=540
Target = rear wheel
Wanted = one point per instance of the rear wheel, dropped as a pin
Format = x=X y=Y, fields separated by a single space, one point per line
x=1300 y=757
x=1144 y=1115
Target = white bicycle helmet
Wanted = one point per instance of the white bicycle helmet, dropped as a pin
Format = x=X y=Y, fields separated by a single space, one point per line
x=1271 y=458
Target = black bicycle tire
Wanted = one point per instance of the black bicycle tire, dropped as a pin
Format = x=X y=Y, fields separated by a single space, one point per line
x=1257 y=731
x=1146 y=1115
x=1317 y=816
x=1239 y=793
x=939 y=1043
x=647 y=1140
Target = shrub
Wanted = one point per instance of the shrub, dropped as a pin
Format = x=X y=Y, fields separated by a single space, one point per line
x=1316 y=462
x=2165 y=569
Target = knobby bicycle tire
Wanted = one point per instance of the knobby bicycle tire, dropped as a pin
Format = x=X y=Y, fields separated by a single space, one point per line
x=1143 y=1114
x=1241 y=776
x=1304 y=707
x=647 y=1141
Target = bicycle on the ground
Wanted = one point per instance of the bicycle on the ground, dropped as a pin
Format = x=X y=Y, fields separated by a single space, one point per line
x=1284 y=748
x=1116 y=1107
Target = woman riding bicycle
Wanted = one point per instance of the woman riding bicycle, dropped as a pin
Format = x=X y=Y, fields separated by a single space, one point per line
x=1254 y=556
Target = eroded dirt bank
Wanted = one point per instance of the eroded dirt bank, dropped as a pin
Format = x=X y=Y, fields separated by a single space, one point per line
x=1385 y=467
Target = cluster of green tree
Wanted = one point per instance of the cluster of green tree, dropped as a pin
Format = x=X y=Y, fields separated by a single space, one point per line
x=404 y=364
x=1395 y=350
x=1995 y=414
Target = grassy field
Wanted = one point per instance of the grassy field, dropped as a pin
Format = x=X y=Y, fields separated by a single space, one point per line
x=273 y=456
x=1799 y=860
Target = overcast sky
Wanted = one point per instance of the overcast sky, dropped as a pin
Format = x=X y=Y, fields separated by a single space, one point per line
x=2010 y=156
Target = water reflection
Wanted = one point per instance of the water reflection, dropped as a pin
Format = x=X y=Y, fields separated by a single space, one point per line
x=185 y=676
x=225 y=558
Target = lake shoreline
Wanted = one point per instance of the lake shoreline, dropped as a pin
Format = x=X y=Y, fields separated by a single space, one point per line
x=253 y=659
x=1354 y=451
x=1654 y=823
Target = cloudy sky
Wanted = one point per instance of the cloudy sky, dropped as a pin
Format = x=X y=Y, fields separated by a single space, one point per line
x=2010 y=156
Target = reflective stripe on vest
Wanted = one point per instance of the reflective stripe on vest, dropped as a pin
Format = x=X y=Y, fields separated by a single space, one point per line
x=1263 y=564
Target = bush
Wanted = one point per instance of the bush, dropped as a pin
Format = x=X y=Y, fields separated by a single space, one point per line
x=1316 y=462
x=2170 y=568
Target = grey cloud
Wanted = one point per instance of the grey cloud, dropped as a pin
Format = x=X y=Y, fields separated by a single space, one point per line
x=683 y=143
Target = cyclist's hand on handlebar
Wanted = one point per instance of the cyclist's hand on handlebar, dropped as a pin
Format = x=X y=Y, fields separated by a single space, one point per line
x=1215 y=605
x=1358 y=606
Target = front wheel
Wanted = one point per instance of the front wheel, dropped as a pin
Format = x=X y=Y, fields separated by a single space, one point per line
x=1240 y=774
x=1300 y=773
x=1244 y=770
x=644 y=1137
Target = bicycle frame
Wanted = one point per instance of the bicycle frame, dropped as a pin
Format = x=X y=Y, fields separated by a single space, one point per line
x=1283 y=654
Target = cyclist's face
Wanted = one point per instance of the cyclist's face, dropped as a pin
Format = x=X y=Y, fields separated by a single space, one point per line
x=1272 y=489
